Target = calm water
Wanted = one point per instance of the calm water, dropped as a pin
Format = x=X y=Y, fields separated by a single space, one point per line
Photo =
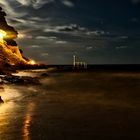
x=72 y=106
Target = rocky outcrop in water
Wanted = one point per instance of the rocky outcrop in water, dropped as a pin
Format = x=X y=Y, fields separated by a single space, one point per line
x=1 y=101
x=19 y=80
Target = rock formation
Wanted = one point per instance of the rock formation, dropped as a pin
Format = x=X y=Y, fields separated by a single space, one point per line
x=9 y=51
x=1 y=101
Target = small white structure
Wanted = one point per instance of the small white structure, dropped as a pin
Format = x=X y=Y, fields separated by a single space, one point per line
x=79 y=64
x=74 y=60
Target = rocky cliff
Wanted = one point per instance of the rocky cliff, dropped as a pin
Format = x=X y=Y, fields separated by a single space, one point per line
x=10 y=54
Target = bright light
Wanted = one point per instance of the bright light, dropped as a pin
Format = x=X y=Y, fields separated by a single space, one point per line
x=32 y=62
x=2 y=34
x=21 y=35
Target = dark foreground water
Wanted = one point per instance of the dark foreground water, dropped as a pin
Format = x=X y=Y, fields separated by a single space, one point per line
x=72 y=106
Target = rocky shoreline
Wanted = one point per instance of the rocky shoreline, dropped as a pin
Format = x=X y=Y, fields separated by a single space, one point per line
x=20 y=80
x=7 y=74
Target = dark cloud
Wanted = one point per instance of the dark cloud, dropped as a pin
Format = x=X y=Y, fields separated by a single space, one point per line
x=135 y=1
x=71 y=27
x=99 y=31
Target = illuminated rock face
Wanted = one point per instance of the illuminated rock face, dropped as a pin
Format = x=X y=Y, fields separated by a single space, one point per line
x=11 y=55
x=9 y=51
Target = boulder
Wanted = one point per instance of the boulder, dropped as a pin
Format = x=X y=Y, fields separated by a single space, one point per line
x=1 y=101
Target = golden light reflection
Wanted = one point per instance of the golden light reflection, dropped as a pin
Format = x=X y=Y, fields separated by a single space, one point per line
x=2 y=35
x=5 y=118
x=4 y=108
x=27 y=121
x=26 y=129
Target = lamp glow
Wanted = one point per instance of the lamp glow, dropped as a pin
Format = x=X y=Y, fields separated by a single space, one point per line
x=32 y=62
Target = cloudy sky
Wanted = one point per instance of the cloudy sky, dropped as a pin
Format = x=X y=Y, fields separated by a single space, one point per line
x=96 y=31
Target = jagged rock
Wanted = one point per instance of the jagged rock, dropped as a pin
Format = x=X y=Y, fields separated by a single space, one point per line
x=10 y=79
x=44 y=74
x=11 y=32
x=13 y=79
x=10 y=55
x=9 y=50
x=1 y=101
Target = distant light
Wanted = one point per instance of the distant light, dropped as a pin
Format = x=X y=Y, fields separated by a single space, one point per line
x=21 y=35
x=32 y=62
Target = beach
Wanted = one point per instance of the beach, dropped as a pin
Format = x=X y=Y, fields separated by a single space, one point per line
x=72 y=106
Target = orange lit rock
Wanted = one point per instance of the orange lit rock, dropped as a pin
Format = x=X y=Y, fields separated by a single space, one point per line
x=9 y=51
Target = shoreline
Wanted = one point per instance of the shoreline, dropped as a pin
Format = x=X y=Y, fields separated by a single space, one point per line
x=69 y=68
x=11 y=76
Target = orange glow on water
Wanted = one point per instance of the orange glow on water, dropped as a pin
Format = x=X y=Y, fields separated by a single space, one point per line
x=27 y=121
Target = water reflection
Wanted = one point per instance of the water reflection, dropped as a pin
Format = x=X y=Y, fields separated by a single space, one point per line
x=27 y=121
x=8 y=111
x=24 y=73
x=5 y=118
x=10 y=94
x=31 y=73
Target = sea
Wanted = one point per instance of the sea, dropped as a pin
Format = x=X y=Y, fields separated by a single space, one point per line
x=85 y=105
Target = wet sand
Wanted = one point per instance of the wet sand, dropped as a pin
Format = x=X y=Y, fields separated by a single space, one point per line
x=73 y=106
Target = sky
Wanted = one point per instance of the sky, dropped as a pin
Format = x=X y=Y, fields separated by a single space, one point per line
x=96 y=31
